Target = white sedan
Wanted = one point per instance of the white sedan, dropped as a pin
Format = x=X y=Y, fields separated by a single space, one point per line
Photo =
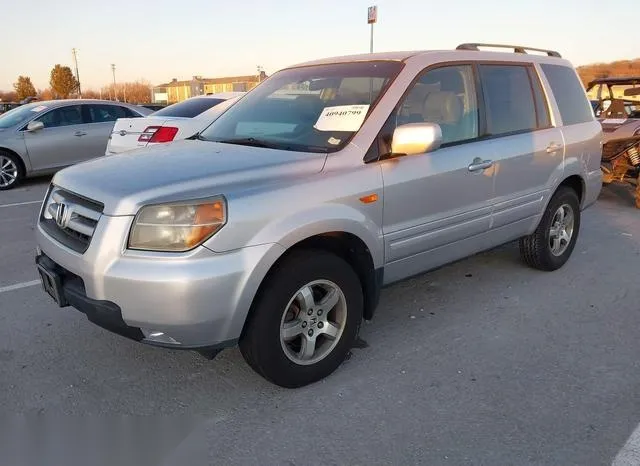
x=177 y=121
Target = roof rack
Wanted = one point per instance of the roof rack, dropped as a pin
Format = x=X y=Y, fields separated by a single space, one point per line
x=516 y=48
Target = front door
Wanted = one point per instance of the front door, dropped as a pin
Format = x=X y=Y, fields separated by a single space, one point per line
x=61 y=142
x=437 y=206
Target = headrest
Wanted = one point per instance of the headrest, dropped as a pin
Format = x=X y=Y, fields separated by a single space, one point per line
x=442 y=107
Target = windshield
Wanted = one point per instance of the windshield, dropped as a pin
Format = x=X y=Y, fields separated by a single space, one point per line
x=309 y=109
x=19 y=115
x=189 y=108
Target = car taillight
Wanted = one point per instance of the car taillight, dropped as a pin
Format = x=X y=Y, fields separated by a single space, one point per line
x=158 y=134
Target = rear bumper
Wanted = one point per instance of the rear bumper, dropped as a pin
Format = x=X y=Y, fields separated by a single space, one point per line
x=593 y=186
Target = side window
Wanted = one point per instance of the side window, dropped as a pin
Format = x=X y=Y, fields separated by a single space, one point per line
x=445 y=96
x=105 y=113
x=128 y=113
x=509 y=102
x=62 y=116
x=569 y=94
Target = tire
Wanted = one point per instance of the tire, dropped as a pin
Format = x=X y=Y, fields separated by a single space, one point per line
x=537 y=250
x=11 y=170
x=268 y=343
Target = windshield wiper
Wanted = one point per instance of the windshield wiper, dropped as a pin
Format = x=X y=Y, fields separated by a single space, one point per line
x=253 y=142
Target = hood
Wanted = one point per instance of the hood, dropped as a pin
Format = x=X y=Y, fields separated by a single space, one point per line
x=181 y=170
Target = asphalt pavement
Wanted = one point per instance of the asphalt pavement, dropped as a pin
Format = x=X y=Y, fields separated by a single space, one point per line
x=482 y=362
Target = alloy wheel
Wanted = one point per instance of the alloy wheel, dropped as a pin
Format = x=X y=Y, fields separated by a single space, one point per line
x=313 y=322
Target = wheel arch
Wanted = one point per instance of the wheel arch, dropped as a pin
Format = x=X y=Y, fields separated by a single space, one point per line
x=351 y=248
x=21 y=160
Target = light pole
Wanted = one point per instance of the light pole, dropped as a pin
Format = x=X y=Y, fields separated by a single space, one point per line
x=115 y=92
x=75 y=59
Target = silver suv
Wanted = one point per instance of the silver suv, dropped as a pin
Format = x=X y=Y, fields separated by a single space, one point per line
x=277 y=226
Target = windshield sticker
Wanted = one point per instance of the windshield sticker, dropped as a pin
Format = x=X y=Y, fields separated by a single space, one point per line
x=39 y=108
x=342 y=118
x=333 y=141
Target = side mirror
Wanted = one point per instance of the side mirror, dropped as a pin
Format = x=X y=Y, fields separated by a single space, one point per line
x=35 y=126
x=416 y=138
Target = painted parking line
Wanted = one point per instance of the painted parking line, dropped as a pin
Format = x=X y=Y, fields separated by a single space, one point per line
x=20 y=203
x=19 y=286
x=630 y=453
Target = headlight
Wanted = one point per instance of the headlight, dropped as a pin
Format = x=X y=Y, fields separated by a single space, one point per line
x=177 y=227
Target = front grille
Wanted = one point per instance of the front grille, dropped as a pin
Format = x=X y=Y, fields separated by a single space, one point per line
x=70 y=219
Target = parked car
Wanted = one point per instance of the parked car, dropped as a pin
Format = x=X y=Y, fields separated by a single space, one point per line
x=177 y=121
x=43 y=137
x=6 y=106
x=618 y=109
x=277 y=227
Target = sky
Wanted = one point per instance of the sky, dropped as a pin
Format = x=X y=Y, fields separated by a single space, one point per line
x=166 y=39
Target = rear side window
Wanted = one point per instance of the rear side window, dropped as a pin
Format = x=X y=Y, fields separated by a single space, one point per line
x=508 y=98
x=569 y=94
x=106 y=113
x=189 y=108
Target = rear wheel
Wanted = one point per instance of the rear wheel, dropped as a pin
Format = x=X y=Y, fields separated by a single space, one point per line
x=11 y=171
x=551 y=245
x=305 y=321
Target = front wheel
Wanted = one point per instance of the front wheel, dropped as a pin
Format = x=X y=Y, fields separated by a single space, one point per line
x=305 y=319
x=551 y=245
x=11 y=171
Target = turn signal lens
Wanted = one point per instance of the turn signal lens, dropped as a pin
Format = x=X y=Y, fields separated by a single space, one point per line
x=177 y=227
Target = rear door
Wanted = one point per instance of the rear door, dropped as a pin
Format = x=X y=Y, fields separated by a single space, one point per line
x=529 y=150
x=102 y=118
x=582 y=133
x=61 y=141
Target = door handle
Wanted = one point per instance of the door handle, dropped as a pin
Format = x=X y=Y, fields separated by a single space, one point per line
x=81 y=133
x=553 y=147
x=479 y=164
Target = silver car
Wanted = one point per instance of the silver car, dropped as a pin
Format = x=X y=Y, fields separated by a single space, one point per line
x=43 y=137
x=279 y=224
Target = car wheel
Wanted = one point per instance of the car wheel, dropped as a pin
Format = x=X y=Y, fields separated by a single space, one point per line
x=550 y=246
x=11 y=171
x=305 y=319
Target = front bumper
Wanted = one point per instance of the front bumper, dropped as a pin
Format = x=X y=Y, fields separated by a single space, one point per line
x=194 y=300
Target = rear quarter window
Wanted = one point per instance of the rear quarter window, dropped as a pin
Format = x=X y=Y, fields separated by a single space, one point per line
x=569 y=94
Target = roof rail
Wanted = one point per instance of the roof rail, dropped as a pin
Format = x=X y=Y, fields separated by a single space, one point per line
x=516 y=48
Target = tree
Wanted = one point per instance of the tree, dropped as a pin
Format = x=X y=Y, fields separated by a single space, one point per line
x=62 y=81
x=10 y=96
x=24 y=88
x=138 y=92
x=90 y=94
x=45 y=94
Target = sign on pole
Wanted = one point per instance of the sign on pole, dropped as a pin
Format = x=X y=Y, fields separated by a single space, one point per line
x=372 y=15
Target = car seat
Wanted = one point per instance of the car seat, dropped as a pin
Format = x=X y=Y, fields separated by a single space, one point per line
x=444 y=108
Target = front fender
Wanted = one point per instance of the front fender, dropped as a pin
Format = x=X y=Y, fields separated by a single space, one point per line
x=326 y=218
